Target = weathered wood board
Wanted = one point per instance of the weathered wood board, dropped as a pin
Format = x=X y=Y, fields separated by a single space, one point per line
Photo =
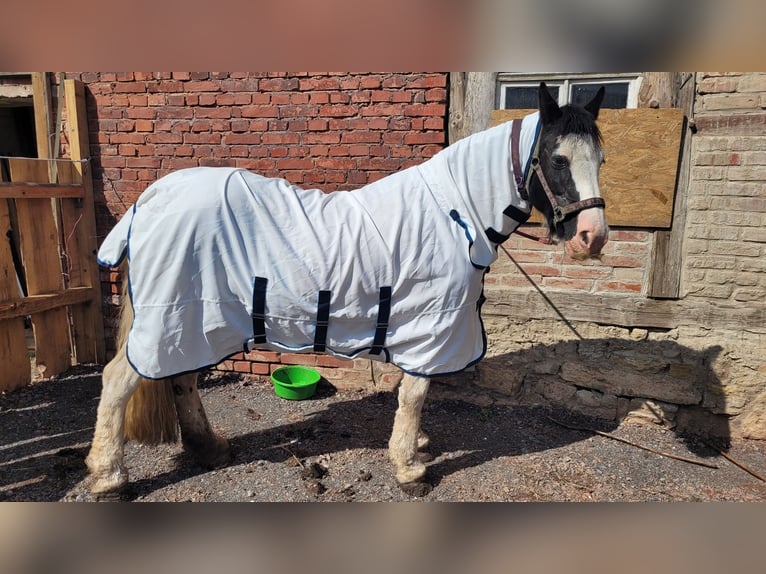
x=79 y=224
x=40 y=254
x=642 y=148
x=15 y=369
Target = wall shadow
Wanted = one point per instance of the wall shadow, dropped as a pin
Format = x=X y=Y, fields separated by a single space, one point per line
x=46 y=430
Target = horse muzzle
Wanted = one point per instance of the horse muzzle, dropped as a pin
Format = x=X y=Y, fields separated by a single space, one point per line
x=591 y=236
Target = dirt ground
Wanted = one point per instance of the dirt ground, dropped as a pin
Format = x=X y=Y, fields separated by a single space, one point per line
x=332 y=447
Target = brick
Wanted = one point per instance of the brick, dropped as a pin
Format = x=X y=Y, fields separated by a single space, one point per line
x=279 y=85
x=424 y=138
x=299 y=359
x=563 y=283
x=270 y=138
x=141 y=113
x=338 y=110
x=618 y=286
x=317 y=125
x=260 y=368
x=241 y=366
x=425 y=110
x=202 y=86
x=360 y=137
x=259 y=111
x=621 y=261
x=242 y=138
x=328 y=361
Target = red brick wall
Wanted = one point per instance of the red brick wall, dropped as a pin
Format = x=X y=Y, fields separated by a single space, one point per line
x=326 y=130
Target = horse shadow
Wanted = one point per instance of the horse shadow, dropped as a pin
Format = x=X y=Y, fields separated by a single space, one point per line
x=511 y=405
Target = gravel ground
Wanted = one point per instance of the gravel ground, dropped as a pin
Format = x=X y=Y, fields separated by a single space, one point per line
x=333 y=448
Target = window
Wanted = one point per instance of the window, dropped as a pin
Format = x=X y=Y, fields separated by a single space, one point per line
x=519 y=91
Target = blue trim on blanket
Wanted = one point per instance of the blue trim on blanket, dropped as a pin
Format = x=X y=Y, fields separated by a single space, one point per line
x=457 y=219
x=127 y=245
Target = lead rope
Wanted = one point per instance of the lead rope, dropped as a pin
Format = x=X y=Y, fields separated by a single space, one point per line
x=543 y=295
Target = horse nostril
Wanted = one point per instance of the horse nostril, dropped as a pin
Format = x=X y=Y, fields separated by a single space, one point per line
x=585 y=237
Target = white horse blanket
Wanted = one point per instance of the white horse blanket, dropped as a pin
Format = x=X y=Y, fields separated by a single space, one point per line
x=222 y=260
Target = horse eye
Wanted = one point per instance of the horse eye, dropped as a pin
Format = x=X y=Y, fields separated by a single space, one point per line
x=559 y=162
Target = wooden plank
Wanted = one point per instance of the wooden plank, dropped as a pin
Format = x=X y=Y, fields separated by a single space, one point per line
x=14 y=307
x=79 y=224
x=639 y=178
x=667 y=249
x=41 y=100
x=40 y=254
x=625 y=310
x=15 y=369
x=24 y=190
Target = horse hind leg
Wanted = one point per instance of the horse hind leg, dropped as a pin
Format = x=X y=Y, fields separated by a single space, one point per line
x=199 y=439
x=105 y=460
x=406 y=436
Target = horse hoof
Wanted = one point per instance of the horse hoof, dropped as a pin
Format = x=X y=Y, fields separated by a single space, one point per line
x=108 y=483
x=416 y=489
x=211 y=454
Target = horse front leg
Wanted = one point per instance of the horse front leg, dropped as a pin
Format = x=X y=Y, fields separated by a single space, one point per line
x=406 y=436
x=105 y=460
x=207 y=447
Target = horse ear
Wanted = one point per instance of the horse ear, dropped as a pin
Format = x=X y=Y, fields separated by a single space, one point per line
x=595 y=104
x=549 y=108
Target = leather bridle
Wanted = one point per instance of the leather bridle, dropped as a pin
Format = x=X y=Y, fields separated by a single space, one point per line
x=560 y=212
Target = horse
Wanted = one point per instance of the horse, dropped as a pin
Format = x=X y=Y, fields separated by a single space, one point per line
x=222 y=260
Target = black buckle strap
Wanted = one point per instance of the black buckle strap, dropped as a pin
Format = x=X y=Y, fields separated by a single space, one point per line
x=323 y=321
x=381 y=327
x=259 y=310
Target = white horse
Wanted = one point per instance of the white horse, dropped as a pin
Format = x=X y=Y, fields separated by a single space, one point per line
x=222 y=260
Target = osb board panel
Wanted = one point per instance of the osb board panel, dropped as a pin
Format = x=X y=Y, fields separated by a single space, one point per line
x=14 y=361
x=40 y=255
x=642 y=148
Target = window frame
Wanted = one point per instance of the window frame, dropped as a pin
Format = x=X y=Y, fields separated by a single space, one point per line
x=565 y=82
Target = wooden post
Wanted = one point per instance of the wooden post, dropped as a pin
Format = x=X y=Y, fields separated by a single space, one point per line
x=667 y=251
x=79 y=223
x=472 y=99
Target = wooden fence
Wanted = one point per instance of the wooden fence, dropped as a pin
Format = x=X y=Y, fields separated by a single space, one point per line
x=47 y=245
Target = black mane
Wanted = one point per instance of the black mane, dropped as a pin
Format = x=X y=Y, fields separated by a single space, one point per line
x=578 y=121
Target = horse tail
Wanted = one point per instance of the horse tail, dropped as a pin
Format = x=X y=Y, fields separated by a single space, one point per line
x=150 y=416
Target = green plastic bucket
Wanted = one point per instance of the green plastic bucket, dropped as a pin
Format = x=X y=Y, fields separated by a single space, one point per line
x=295 y=382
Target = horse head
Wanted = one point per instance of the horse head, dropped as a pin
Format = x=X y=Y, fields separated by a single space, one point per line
x=564 y=184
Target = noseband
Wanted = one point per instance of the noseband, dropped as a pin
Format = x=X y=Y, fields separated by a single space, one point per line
x=560 y=213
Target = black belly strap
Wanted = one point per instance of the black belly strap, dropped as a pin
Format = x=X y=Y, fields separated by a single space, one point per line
x=381 y=326
x=323 y=321
x=259 y=310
